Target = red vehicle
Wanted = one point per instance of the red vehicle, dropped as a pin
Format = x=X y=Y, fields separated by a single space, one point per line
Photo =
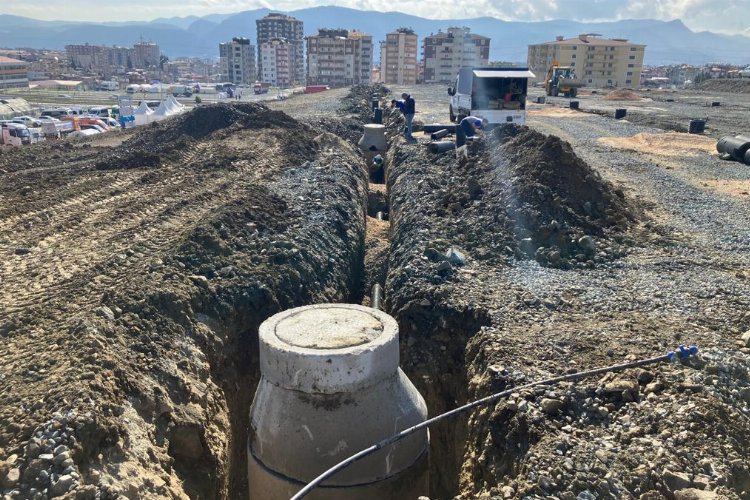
x=311 y=89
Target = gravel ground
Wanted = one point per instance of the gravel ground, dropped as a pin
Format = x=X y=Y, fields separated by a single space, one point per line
x=668 y=431
x=670 y=109
x=136 y=290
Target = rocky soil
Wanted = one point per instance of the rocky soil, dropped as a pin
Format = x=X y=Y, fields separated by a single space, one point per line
x=137 y=270
x=478 y=316
x=132 y=291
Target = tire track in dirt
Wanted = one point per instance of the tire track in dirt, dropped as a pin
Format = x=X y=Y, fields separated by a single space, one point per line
x=169 y=212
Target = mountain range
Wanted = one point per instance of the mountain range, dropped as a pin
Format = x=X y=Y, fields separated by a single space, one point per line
x=667 y=42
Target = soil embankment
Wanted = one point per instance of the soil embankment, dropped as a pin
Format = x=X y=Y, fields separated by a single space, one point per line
x=133 y=283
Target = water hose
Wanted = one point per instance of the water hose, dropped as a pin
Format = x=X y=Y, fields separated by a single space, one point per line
x=681 y=353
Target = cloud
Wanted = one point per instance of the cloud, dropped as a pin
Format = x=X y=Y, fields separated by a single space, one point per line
x=727 y=16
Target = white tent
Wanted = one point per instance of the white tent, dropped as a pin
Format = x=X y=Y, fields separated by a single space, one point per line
x=143 y=114
x=175 y=104
x=163 y=112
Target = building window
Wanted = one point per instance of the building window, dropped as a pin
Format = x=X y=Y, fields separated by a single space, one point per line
x=633 y=49
x=631 y=65
x=630 y=73
x=632 y=57
x=573 y=56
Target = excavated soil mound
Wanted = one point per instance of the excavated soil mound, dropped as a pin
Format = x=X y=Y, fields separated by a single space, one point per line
x=668 y=144
x=558 y=202
x=130 y=297
x=349 y=129
x=358 y=101
x=171 y=139
x=725 y=85
x=622 y=95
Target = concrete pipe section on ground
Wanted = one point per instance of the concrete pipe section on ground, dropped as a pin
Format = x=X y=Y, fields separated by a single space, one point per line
x=331 y=386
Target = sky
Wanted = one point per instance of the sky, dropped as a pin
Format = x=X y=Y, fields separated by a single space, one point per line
x=723 y=16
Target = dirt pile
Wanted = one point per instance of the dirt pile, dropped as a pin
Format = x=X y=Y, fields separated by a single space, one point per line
x=558 y=203
x=622 y=95
x=734 y=85
x=349 y=129
x=131 y=297
x=174 y=139
x=473 y=324
x=359 y=100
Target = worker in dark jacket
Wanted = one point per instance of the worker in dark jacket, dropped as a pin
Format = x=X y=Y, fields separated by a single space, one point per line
x=410 y=107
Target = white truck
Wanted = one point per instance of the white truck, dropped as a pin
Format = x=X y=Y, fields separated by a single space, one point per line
x=495 y=94
x=15 y=134
x=111 y=85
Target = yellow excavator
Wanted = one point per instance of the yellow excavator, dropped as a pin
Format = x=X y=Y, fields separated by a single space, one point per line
x=561 y=80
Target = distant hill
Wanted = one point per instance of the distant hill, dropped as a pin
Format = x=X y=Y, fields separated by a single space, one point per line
x=667 y=41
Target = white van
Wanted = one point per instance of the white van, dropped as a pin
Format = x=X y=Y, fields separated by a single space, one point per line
x=495 y=94
x=58 y=112
x=101 y=111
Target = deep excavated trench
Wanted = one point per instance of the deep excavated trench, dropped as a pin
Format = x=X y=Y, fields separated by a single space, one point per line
x=432 y=356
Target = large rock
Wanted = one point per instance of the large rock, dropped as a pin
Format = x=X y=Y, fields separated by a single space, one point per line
x=551 y=406
x=694 y=494
x=746 y=338
x=675 y=480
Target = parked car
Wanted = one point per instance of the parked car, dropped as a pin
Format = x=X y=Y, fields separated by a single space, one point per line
x=47 y=119
x=28 y=121
x=745 y=73
x=57 y=112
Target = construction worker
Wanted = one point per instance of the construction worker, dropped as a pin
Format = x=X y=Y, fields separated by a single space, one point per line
x=409 y=109
x=468 y=128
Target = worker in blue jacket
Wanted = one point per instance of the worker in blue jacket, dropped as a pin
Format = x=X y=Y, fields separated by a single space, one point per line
x=407 y=106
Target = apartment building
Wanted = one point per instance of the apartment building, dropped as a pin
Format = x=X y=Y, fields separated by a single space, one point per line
x=13 y=73
x=447 y=52
x=120 y=57
x=280 y=26
x=146 y=54
x=87 y=57
x=106 y=60
x=398 y=57
x=599 y=62
x=278 y=62
x=338 y=58
x=237 y=61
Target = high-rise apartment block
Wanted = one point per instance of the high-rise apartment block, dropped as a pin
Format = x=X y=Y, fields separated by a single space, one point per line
x=146 y=55
x=106 y=60
x=280 y=26
x=447 y=52
x=398 y=57
x=337 y=58
x=237 y=61
x=599 y=62
x=87 y=57
x=278 y=62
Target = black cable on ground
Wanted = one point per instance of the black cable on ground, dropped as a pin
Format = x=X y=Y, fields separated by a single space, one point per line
x=681 y=353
